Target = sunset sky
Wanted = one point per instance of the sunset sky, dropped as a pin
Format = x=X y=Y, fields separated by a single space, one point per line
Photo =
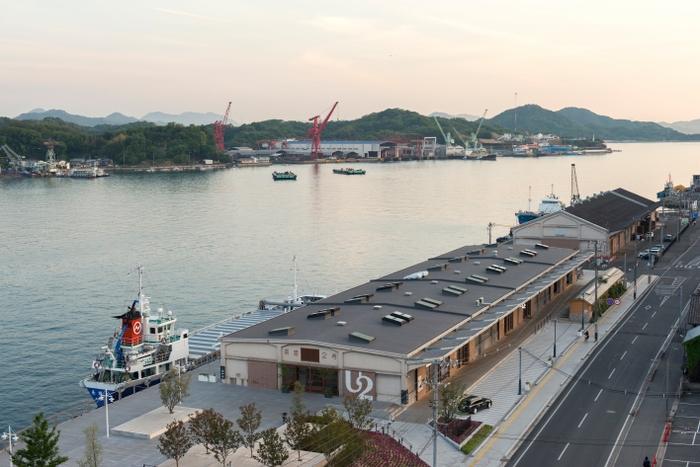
x=294 y=59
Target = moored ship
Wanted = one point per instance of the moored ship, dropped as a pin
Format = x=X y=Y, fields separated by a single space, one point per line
x=349 y=171
x=87 y=172
x=283 y=176
x=548 y=205
x=142 y=349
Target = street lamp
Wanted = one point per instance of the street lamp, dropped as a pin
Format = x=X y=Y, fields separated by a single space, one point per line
x=595 y=306
x=555 y=339
x=107 y=398
x=520 y=373
x=12 y=437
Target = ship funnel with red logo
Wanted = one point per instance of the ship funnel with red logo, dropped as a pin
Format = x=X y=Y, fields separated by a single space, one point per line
x=132 y=326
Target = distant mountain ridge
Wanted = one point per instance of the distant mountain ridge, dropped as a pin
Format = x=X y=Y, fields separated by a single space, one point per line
x=574 y=122
x=467 y=117
x=691 y=127
x=116 y=118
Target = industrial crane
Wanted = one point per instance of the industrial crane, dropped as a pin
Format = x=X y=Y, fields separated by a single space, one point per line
x=475 y=140
x=575 y=196
x=315 y=134
x=219 y=127
x=15 y=159
x=448 y=138
x=50 y=155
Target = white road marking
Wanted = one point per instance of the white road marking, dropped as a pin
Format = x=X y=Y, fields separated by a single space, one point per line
x=623 y=355
x=645 y=326
x=663 y=300
x=596 y=397
x=635 y=338
x=611 y=373
x=652 y=315
x=584 y=417
x=562 y=453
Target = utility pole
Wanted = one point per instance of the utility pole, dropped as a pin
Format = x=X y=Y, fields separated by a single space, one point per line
x=555 y=339
x=520 y=372
x=436 y=384
x=636 y=260
x=595 y=306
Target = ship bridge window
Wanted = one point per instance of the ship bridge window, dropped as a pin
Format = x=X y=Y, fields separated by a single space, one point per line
x=152 y=330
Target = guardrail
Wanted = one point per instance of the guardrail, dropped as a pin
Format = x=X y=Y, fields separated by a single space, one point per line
x=58 y=418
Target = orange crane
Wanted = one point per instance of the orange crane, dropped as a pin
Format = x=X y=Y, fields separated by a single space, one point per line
x=219 y=127
x=315 y=134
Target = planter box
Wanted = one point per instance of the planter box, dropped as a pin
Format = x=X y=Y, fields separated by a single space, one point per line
x=212 y=378
x=203 y=377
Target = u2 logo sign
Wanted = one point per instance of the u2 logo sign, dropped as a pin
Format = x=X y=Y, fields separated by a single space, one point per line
x=361 y=384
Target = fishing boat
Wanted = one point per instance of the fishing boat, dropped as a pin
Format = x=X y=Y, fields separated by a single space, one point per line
x=548 y=205
x=349 y=171
x=144 y=347
x=283 y=176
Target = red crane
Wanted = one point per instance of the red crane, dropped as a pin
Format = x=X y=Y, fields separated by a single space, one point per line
x=219 y=127
x=315 y=134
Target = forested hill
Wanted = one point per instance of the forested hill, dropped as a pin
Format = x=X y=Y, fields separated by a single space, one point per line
x=145 y=142
x=387 y=124
x=573 y=122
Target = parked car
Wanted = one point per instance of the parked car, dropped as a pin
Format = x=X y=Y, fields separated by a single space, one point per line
x=668 y=238
x=472 y=404
x=644 y=254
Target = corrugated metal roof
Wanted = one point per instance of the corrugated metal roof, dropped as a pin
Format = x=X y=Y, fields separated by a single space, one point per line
x=614 y=210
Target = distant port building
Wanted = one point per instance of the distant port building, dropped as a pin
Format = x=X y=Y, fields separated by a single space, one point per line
x=381 y=338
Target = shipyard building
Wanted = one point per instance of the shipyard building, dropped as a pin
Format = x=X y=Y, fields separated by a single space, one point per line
x=380 y=339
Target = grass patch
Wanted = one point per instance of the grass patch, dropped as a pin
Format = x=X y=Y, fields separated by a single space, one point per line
x=477 y=439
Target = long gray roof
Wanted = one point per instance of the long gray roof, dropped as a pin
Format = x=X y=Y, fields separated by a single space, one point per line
x=613 y=210
x=509 y=289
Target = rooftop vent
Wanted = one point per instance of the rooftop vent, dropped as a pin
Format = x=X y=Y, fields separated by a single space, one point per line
x=439 y=267
x=286 y=331
x=402 y=316
x=515 y=261
x=377 y=307
x=542 y=246
x=428 y=303
x=324 y=314
x=497 y=269
x=477 y=262
x=478 y=279
x=480 y=251
x=494 y=253
x=454 y=290
x=362 y=337
x=529 y=253
x=342 y=323
x=394 y=320
x=360 y=298
x=390 y=287
x=408 y=293
x=433 y=282
x=459 y=259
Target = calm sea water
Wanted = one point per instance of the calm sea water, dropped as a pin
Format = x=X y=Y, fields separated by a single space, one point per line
x=215 y=243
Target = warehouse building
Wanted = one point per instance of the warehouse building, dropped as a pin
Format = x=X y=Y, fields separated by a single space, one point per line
x=612 y=218
x=380 y=339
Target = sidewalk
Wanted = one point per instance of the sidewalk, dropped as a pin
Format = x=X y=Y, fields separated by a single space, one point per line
x=512 y=416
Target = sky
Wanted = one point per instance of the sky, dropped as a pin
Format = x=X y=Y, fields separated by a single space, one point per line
x=293 y=59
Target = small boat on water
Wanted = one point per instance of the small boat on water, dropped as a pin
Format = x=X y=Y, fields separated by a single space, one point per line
x=144 y=347
x=349 y=171
x=283 y=176
x=87 y=172
x=479 y=154
x=549 y=204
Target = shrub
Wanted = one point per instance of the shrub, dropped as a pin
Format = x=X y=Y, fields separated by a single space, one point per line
x=476 y=440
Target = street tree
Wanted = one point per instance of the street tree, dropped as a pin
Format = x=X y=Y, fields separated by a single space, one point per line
x=92 y=457
x=174 y=388
x=358 y=410
x=40 y=446
x=298 y=406
x=450 y=396
x=271 y=451
x=175 y=442
x=201 y=427
x=297 y=432
x=224 y=439
x=248 y=423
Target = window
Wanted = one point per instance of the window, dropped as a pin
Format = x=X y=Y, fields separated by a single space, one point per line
x=508 y=324
x=309 y=355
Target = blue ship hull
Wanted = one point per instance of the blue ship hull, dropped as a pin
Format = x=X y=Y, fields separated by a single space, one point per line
x=524 y=217
x=97 y=392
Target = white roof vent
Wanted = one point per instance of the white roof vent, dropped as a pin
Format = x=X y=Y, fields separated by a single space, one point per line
x=457 y=271
x=408 y=293
x=342 y=323
x=377 y=307
x=433 y=282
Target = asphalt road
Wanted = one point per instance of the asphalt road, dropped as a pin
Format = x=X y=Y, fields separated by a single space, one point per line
x=613 y=411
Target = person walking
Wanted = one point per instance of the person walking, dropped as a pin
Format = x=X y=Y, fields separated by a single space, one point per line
x=646 y=462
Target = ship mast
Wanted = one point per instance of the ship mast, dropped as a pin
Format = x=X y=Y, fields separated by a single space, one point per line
x=295 y=297
x=140 y=269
